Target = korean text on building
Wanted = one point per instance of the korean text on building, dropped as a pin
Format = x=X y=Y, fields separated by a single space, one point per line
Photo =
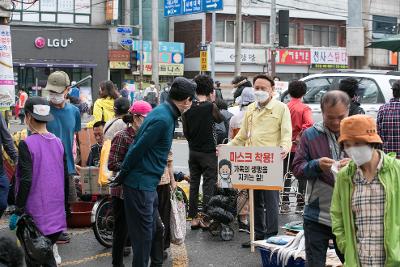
x=250 y=168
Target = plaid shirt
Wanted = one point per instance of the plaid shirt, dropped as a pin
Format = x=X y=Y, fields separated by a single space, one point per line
x=368 y=206
x=119 y=148
x=388 y=121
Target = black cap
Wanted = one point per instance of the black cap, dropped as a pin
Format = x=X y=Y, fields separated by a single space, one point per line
x=38 y=108
x=182 y=88
x=122 y=105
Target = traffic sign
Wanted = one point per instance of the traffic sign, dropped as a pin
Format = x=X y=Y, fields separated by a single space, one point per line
x=187 y=7
x=126 y=41
x=124 y=30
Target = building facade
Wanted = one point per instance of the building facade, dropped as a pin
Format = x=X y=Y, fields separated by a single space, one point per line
x=59 y=35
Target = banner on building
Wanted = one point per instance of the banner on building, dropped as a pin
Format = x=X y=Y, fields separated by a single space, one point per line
x=7 y=85
x=203 y=61
x=250 y=168
x=119 y=59
x=248 y=56
x=111 y=10
x=329 y=58
x=171 y=58
x=293 y=57
x=393 y=59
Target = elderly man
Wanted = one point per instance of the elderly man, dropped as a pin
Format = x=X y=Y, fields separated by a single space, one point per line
x=317 y=152
x=266 y=123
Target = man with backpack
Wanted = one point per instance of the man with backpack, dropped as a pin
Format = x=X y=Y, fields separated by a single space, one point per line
x=151 y=95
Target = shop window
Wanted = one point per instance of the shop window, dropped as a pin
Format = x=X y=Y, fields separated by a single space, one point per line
x=384 y=25
x=248 y=32
x=30 y=17
x=264 y=33
x=48 y=17
x=230 y=31
x=318 y=36
x=220 y=27
x=54 y=11
x=292 y=34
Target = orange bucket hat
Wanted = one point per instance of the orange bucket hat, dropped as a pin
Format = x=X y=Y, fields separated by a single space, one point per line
x=360 y=128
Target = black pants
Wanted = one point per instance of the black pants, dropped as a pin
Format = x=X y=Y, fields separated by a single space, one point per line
x=317 y=238
x=205 y=164
x=144 y=226
x=164 y=208
x=51 y=261
x=266 y=211
x=120 y=232
x=302 y=183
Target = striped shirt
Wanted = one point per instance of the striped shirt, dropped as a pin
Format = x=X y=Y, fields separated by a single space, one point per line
x=368 y=206
x=388 y=122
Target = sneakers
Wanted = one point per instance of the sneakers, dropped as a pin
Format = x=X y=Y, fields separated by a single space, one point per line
x=127 y=251
x=245 y=228
x=63 y=239
x=57 y=256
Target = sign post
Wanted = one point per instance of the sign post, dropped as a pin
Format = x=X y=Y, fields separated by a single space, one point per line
x=251 y=168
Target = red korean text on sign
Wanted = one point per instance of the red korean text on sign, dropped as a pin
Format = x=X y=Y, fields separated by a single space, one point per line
x=241 y=157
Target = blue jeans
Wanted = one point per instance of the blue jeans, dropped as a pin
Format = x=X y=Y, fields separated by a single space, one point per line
x=4 y=187
x=141 y=211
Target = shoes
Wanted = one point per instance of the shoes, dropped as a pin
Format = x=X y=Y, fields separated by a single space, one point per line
x=244 y=227
x=63 y=239
x=57 y=256
x=204 y=221
x=195 y=224
x=127 y=251
x=285 y=208
x=248 y=243
x=299 y=209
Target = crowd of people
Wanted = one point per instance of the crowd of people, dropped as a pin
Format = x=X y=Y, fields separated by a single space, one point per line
x=346 y=160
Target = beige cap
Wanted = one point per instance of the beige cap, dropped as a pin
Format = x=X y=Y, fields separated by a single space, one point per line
x=57 y=82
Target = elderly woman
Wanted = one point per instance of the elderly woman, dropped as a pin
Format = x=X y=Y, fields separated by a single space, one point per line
x=366 y=199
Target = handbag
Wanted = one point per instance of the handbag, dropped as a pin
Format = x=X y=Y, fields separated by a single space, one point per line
x=178 y=219
x=36 y=246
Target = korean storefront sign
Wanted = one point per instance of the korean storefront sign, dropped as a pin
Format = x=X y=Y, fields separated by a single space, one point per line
x=7 y=89
x=249 y=56
x=119 y=59
x=250 y=168
x=203 y=61
x=170 y=54
x=293 y=57
x=329 y=58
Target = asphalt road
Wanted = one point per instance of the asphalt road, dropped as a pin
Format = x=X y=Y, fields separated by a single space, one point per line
x=200 y=248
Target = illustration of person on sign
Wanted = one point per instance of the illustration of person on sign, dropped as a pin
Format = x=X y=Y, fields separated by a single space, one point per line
x=225 y=171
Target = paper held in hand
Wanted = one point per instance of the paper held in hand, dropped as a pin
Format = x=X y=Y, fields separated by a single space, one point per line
x=250 y=167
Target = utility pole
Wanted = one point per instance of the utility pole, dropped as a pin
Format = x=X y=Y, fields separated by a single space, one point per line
x=272 y=31
x=213 y=39
x=238 y=37
x=154 y=40
x=141 y=55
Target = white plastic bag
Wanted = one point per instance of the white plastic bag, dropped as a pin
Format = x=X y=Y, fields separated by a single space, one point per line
x=178 y=219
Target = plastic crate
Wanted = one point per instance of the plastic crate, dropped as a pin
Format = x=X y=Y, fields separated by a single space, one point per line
x=268 y=261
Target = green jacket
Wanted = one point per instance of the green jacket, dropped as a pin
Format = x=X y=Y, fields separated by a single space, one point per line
x=342 y=217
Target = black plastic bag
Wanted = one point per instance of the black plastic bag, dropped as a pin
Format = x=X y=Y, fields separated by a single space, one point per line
x=221 y=215
x=37 y=247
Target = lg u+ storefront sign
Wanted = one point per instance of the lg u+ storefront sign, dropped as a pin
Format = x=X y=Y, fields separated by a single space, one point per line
x=42 y=42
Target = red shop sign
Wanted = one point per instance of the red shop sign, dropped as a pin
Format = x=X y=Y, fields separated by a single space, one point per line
x=293 y=57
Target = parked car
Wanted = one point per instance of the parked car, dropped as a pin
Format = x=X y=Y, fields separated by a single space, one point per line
x=374 y=88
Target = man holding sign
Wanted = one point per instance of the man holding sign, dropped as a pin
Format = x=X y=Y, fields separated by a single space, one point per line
x=266 y=123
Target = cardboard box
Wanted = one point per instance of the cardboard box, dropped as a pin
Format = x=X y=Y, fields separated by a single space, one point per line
x=89 y=182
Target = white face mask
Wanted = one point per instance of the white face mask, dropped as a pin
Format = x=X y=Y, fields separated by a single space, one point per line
x=261 y=96
x=360 y=154
x=56 y=98
x=224 y=176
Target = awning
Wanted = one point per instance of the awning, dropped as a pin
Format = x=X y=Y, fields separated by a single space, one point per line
x=52 y=63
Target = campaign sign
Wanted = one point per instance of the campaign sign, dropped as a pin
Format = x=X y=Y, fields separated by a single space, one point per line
x=250 y=168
